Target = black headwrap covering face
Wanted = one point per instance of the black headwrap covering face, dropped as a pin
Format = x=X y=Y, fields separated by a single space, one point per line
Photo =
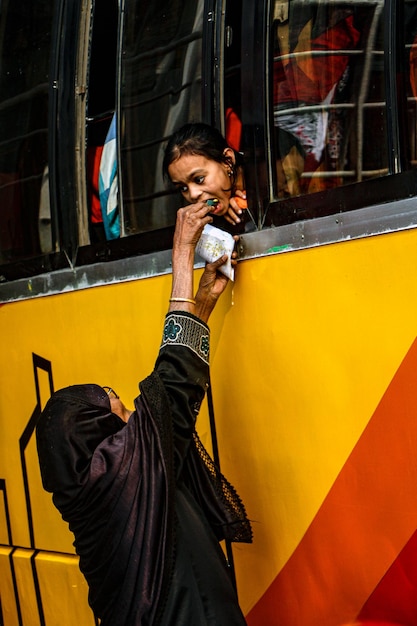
x=74 y=422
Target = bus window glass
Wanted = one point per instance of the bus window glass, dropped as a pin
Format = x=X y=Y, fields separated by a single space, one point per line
x=232 y=74
x=25 y=218
x=160 y=90
x=328 y=94
x=100 y=107
x=410 y=18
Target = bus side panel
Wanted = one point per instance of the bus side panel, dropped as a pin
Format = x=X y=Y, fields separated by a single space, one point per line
x=318 y=410
x=312 y=355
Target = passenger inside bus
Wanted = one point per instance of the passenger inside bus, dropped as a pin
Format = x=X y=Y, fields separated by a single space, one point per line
x=202 y=166
x=145 y=502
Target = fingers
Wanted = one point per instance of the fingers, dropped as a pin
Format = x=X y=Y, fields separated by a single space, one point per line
x=219 y=262
x=236 y=207
x=240 y=199
x=232 y=218
x=214 y=265
x=190 y=223
x=195 y=215
x=197 y=209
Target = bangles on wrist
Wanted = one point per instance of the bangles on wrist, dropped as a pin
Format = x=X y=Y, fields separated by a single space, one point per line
x=190 y=300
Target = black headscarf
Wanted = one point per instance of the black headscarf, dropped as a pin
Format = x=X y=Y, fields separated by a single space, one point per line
x=74 y=422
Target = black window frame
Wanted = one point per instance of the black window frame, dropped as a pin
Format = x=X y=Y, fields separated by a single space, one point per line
x=257 y=122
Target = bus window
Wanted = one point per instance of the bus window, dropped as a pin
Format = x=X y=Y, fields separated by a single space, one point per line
x=25 y=218
x=160 y=89
x=410 y=71
x=101 y=104
x=328 y=95
x=232 y=74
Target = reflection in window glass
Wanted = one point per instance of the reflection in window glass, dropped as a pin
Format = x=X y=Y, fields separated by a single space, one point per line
x=160 y=91
x=328 y=94
x=25 y=220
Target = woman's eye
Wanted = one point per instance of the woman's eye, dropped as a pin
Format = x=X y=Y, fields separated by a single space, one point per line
x=199 y=180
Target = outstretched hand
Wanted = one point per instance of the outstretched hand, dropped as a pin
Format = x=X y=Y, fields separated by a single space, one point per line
x=190 y=223
x=211 y=286
x=189 y=226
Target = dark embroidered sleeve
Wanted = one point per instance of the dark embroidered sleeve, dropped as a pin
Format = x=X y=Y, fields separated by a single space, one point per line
x=183 y=366
x=184 y=329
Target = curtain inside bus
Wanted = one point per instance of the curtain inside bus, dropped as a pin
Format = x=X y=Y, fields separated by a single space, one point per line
x=329 y=92
x=328 y=95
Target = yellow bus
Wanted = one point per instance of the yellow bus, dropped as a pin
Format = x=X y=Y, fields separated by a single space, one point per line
x=313 y=404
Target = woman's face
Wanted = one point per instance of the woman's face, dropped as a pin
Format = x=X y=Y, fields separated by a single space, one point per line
x=200 y=179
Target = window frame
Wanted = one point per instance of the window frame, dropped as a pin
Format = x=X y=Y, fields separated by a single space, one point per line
x=370 y=207
x=258 y=124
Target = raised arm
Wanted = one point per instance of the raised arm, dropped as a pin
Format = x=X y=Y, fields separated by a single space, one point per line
x=183 y=361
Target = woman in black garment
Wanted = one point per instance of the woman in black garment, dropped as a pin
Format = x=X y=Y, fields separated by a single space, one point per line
x=145 y=502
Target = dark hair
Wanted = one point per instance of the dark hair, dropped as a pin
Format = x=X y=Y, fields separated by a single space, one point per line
x=202 y=139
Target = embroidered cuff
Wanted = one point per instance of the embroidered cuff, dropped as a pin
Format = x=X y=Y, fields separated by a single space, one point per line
x=185 y=330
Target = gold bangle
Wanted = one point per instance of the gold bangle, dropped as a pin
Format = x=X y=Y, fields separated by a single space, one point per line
x=190 y=300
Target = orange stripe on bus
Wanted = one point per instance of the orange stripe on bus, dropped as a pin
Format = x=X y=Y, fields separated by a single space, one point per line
x=365 y=521
x=395 y=598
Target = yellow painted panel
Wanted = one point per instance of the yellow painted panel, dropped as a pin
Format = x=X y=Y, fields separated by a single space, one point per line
x=26 y=587
x=306 y=351
x=63 y=591
x=4 y=534
x=86 y=336
x=7 y=593
x=304 y=345
x=108 y=335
